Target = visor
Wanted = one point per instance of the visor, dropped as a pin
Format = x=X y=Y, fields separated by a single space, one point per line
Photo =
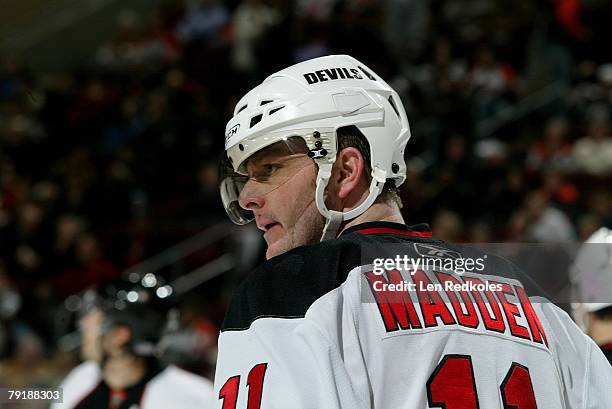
x=263 y=172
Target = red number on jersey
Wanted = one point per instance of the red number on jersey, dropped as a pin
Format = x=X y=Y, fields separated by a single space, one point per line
x=517 y=390
x=255 y=379
x=452 y=386
x=255 y=385
x=229 y=392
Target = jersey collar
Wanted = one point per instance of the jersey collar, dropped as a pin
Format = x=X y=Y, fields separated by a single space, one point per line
x=369 y=228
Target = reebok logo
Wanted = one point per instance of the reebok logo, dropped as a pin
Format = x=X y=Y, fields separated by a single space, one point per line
x=428 y=250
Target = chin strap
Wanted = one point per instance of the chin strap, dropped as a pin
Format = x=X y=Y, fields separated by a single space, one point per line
x=335 y=218
x=332 y=225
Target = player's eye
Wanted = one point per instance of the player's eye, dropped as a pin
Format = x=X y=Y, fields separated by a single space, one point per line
x=263 y=172
x=269 y=169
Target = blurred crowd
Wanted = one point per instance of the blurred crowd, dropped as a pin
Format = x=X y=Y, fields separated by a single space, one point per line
x=113 y=161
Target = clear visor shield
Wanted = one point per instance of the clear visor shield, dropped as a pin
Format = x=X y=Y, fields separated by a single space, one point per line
x=260 y=174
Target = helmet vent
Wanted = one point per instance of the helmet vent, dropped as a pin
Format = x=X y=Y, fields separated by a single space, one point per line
x=255 y=120
x=242 y=108
x=273 y=110
x=265 y=101
x=393 y=106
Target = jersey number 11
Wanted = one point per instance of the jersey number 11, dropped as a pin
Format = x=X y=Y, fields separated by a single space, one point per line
x=229 y=391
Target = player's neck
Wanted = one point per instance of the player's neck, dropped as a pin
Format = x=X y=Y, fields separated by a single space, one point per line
x=378 y=212
x=123 y=371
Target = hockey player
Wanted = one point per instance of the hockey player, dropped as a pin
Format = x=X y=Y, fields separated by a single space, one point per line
x=592 y=278
x=599 y=326
x=119 y=332
x=360 y=319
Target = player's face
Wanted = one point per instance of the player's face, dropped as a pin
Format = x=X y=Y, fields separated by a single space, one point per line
x=90 y=327
x=281 y=193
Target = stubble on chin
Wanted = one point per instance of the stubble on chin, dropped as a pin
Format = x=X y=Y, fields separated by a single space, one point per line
x=306 y=230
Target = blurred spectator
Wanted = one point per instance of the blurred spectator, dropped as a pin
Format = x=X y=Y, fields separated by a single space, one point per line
x=480 y=232
x=507 y=196
x=568 y=15
x=545 y=223
x=558 y=188
x=10 y=303
x=91 y=267
x=487 y=75
x=316 y=10
x=406 y=19
x=25 y=368
x=447 y=225
x=205 y=21
x=21 y=137
x=452 y=185
x=517 y=227
x=587 y=225
x=553 y=149
x=490 y=81
x=593 y=153
x=78 y=175
x=67 y=230
x=604 y=74
x=133 y=47
x=599 y=203
x=313 y=40
x=250 y=21
x=464 y=17
x=205 y=203
x=23 y=244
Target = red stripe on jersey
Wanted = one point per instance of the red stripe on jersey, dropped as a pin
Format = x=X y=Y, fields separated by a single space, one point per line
x=387 y=230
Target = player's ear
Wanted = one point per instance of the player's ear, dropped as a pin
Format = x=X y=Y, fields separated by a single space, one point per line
x=348 y=173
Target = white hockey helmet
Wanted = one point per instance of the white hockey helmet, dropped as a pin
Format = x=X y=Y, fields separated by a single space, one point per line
x=311 y=100
x=592 y=275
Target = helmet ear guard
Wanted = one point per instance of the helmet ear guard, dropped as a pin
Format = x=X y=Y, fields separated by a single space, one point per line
x=312 y=100
x=335 y=218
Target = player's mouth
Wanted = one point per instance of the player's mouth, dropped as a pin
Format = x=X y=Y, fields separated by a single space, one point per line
x=264 y=223
x=272 y=232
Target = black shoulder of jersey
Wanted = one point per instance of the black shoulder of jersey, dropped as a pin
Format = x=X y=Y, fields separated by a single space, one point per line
x=287 y=285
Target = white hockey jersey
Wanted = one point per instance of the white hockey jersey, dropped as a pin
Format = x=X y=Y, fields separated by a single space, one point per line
x=318 y=328
x=172 y=388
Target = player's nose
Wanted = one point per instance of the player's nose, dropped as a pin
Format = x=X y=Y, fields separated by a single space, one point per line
x=251 y=198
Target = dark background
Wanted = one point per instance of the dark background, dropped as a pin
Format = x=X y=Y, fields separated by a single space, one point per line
x=112 y=118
